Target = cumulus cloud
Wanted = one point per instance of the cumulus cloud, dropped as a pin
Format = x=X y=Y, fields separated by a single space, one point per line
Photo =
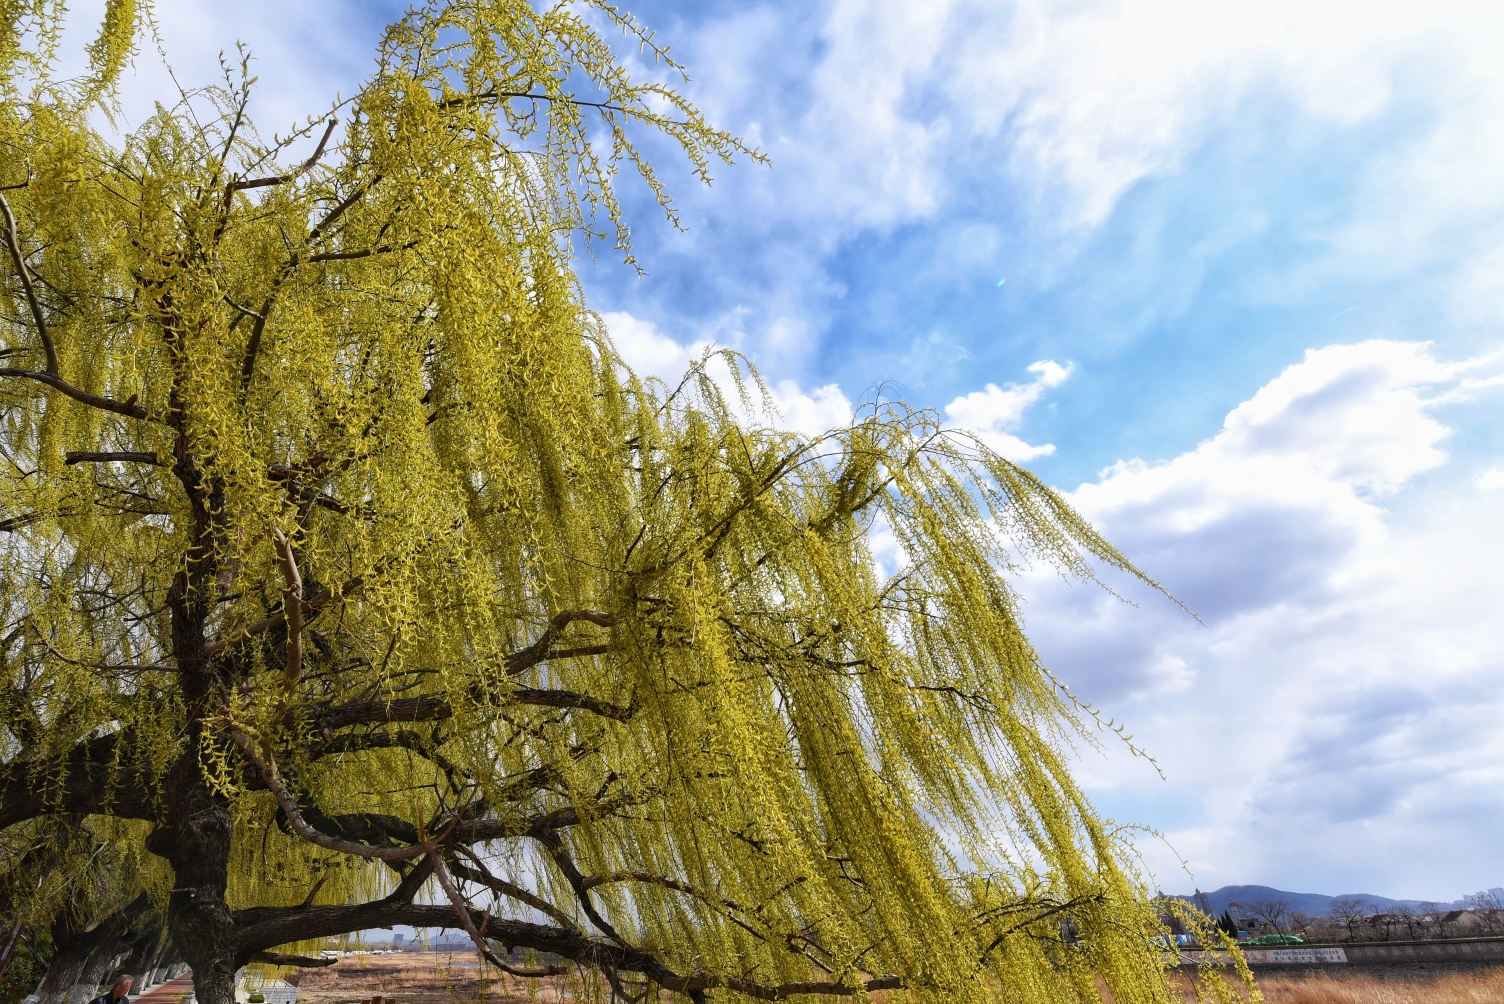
x=651 y=353
x=1337 y=709
x=1097 y=95
x=993 y=411
x=648 y=351
x=812 y=412
x=882 y=114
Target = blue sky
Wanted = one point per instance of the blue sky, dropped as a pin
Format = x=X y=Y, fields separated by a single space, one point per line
x=1263 y=250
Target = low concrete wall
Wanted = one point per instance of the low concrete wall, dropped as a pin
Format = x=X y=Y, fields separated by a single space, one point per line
x=1488 y=951
x=1383 y=959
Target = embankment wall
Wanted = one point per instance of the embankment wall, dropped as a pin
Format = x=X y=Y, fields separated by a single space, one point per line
x=1399 y=960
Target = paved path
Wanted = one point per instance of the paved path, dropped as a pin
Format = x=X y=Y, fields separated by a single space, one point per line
x=171 y=992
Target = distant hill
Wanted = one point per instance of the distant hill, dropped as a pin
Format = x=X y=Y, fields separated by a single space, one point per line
x=1312 y=904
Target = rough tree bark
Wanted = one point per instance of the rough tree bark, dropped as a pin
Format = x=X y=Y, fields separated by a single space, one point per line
x=71 y=948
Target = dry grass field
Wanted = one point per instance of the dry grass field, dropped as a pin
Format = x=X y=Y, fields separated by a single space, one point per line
x=1486 y=987
x=420 y=978
x=423 y=978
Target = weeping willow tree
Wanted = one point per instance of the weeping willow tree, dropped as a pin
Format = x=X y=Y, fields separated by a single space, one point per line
x=350 y=572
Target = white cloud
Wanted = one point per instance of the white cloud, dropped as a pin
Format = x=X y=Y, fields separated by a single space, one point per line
x=993 y=411
x=877 y=162
x=1491 y=480
x=651 y=353
x=811 y=413
x=648 y=351
x=1102 y=94
x=1074 y=102
x=1338 y=711
x=305 y=55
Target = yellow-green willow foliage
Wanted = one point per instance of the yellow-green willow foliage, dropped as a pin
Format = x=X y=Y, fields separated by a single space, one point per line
x=322 y=483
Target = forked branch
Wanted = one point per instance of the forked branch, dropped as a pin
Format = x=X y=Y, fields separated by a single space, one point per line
x=463 y=909
x=482 y=876
x=295 y=819
x=281 y=179
x=539 y=650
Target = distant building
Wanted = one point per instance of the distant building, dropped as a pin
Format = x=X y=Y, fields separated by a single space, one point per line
x=1455 y=923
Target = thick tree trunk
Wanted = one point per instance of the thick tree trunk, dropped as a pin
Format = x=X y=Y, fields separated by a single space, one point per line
x=70 y=952
x=83 y=959
x=197 y=828
x=98 y=968
x=145 y=962
x=198 y=918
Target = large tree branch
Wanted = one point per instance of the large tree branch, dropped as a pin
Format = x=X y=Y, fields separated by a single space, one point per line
x=78 y=457
x=539 y=651
x=260 y=930
x=406 y=709
x=401 y=739
x=13 y=241
x=569 y=699
x=428 y=709
x=129 y=408
x=98 y=776
x=279 y=959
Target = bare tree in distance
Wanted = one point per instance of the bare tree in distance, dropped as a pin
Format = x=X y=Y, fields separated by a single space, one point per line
x=1403 y=915
x=1274 y=912
x=1301 y=923
x=1348 y=913
x=1488 y=904
x=1432 y=912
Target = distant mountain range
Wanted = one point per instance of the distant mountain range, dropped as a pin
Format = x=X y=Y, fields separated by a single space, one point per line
x=1312 y=904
